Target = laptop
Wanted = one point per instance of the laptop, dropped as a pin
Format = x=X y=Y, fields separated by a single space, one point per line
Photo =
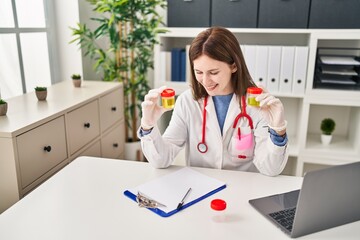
x=328 y=198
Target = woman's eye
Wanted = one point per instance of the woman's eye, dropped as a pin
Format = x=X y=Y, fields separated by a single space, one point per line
x=198 y=73
x=214 y=73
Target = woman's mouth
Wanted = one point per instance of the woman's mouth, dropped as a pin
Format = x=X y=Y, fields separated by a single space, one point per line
x=211 y=88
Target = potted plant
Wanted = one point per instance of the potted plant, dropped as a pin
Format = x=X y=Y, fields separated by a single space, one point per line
x=3 y=107
x=41 y=93
x=76 y=80
x=130 y=29
x=327 y=128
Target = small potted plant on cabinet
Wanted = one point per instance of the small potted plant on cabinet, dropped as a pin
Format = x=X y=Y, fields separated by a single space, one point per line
x=3 y=107
x=327 y=128
x=41 y=93
x=76 y=80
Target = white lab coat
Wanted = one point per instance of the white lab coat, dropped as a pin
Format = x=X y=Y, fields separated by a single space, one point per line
x=185 y=130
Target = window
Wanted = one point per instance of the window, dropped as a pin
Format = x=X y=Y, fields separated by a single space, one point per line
x=25 y=56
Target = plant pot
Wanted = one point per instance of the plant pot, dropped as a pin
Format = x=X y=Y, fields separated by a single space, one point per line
x=133 y=151
x=326 y=139
x=3 y=109
x=77 y=82
x=41 y=95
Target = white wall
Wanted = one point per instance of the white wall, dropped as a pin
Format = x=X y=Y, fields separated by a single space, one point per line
x=69 y=55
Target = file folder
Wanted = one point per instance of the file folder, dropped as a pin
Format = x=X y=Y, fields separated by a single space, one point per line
x=175 y=64
x=300 y=68
x=274 y=68
x=170 y=189
x=165 y=63
x=250 y=58
x=262 y=55
x=286 y=69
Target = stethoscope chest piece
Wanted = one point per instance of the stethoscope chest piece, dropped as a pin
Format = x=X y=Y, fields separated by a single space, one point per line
x=202 y=147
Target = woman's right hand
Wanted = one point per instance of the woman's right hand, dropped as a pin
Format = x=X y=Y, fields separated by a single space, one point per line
x=151 y=111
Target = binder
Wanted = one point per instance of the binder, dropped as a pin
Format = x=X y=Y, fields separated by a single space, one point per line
x=175 y=64
x=182 y=65
x=250 y=58
x=300 y=68
x=188 y=66
x=286 y=69
x=274 y=68
x=170 y=189
x=262 y=54
x=165 y=63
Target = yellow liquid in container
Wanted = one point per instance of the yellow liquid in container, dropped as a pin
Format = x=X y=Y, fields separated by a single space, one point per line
x=168 y=102
x=252 y=93
x=252 y=102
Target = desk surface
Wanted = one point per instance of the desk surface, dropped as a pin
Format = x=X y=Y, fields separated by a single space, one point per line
x=85 y=201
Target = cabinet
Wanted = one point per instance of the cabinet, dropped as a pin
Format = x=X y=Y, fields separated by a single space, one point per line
x=330 y=14
x=304 y=109
x=38 y=138
x=283 y=14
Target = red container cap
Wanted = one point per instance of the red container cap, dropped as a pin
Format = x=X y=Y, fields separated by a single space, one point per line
x=218 y=204
x=168 y=92
x=254 y=90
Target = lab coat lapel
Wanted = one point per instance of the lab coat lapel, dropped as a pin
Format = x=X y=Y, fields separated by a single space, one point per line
x=233 y=111
x=211 y=118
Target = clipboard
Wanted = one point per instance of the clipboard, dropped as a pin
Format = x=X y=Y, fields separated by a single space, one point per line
x=170 y=189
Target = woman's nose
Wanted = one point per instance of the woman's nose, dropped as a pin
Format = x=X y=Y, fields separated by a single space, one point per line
x=205 y=78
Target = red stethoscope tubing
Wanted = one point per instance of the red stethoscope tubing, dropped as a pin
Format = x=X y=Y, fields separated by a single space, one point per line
x=202 y=146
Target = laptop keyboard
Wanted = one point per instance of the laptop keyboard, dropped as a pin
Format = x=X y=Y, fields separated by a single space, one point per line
x=285 y=217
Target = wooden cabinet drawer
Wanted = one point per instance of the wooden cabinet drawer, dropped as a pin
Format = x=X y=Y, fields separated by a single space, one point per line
x=93 y=151
x=83 y=125
x=41 y=149
x=112 y=145
x=111 y=108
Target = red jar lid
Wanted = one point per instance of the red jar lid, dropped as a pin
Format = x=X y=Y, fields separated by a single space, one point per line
x=254 y=90
x=218 y=204
x=168 y=92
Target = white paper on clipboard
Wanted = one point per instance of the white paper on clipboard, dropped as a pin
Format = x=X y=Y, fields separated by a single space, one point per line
x=171 y=188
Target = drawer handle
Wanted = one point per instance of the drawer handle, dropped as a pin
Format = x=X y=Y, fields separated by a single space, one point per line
x=113 y=109
x=87 y=125
x=47 y=148
x=115 y=145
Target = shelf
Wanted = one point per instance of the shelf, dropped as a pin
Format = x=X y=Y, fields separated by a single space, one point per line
x=333 y=97
x=304 y=110
x=339 y=147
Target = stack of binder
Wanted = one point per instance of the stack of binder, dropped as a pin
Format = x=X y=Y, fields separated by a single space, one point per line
x=337 y=68
x=281 y=69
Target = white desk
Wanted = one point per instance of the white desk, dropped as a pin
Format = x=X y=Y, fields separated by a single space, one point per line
x=85 y=201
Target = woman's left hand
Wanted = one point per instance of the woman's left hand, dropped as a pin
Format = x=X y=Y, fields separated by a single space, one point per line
x=273 y=111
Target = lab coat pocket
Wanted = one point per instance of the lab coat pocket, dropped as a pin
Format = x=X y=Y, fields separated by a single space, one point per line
x=242 y=144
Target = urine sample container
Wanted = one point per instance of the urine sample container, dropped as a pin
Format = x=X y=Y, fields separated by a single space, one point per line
x=252 y=93
x=219 y=206
x=168 y=98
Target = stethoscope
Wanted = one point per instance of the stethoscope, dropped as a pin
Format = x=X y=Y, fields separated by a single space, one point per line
x=202 y=146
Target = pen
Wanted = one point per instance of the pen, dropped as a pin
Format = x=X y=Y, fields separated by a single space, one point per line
x=182 y=201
